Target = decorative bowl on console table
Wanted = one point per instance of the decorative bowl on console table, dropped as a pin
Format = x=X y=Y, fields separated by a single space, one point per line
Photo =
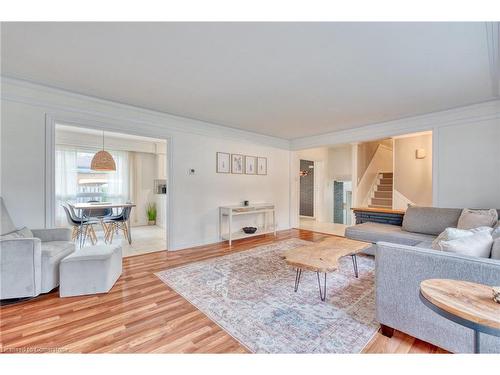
x=249 y=230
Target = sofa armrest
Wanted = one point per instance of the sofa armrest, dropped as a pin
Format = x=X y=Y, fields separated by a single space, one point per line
x=399 y=271
x=52 y=234
x=20 y=267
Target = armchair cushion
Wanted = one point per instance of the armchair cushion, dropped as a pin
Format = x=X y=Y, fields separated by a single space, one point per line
x=53 y=234
x=52 y=254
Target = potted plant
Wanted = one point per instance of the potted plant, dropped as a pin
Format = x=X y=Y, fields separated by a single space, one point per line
x=151 y=212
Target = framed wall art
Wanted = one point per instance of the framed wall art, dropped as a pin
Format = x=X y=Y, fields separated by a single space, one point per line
x=250 y=165
x=223 y=162
x=261 y=166
x=237 y=163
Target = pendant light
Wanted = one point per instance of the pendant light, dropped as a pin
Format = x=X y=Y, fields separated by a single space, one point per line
x=102 y=160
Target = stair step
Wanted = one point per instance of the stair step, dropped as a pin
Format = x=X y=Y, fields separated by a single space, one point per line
x=379 y=206
x=387 y=181
x=384 y=188
x=382 y=201
x=386 y=174
x=383 y=194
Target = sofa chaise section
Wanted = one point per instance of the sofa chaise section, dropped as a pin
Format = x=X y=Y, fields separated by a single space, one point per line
x=399 y=271
x=375 y=232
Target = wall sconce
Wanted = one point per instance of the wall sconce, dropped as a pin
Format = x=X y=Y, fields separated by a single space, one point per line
x=420 y=153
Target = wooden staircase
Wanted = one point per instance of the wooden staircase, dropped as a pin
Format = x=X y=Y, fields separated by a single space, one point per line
x=382 y=196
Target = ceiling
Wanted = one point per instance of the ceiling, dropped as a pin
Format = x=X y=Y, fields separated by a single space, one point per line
x=287 y=80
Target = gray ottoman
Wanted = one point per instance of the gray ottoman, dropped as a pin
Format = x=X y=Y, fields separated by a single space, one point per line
x=90 y=270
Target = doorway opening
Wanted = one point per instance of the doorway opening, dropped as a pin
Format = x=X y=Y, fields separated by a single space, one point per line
x=306 y=208
x=382 y=175
x=342 y=202
x=138 y=181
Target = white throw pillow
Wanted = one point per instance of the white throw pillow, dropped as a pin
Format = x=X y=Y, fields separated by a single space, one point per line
x=477 y=245
x=450 y=234
x=454 y=233
x=477 y=218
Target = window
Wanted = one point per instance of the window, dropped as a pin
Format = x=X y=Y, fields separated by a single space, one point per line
x=76 y=182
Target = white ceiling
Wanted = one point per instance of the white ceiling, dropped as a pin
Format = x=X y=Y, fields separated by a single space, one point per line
x=283 y=79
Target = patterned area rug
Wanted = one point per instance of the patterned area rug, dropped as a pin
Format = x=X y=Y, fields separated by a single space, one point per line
x=250 y=295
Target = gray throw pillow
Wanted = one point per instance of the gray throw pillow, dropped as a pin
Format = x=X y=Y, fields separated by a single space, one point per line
x=495 y=249
x=496 y=231
x=470 y=219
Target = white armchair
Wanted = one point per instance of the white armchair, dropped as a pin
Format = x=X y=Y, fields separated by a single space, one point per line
x=30 y=266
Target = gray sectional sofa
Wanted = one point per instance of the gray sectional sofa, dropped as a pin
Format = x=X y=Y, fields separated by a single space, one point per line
x=404 y=258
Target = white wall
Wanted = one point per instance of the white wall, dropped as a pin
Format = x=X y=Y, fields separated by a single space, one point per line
x=468 y=159
x=194 y=200
x=412 y=176
x=340 y=162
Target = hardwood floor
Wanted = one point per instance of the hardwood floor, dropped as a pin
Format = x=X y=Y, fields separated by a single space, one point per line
x=142 y=314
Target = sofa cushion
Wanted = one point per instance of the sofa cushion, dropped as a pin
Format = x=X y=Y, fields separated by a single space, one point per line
x=425 y=244
x=52 y=253
x=375 y=232
x=430 y=220
x=477 y=245
x=53 y=249
x=495 y=249
x=470 y=219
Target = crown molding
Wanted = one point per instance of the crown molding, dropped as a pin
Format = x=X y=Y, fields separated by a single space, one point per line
x=462 y=115
x=56 y=100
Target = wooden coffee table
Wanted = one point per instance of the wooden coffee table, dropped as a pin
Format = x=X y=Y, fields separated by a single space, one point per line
x=468 y=304
x=323 y=257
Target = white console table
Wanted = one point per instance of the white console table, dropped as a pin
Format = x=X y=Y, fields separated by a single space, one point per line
x=228 y=212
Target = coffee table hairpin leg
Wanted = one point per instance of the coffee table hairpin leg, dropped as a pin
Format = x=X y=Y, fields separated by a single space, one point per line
x=322 y=296
x=297 y=279
x=355 y=264
x=322 y=291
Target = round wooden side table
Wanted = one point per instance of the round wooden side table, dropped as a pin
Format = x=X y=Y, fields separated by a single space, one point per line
x=465 y=303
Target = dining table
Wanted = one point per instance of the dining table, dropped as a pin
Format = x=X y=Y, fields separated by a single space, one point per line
x=85 y=210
